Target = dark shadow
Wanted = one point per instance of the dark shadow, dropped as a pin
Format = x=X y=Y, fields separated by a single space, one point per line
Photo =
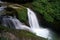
x=18 y=1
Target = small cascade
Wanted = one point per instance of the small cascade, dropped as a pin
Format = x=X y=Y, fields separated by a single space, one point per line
x=14 y=23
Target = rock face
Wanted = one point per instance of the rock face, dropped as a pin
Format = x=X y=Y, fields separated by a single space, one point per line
x=8 y=36
x=13 y=34
x=18 y=1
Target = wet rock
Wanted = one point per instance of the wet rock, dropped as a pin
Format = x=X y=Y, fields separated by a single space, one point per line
x=8 y=36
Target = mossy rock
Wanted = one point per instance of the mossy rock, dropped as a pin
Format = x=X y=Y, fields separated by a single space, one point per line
x=21 y=34
x=20 y=12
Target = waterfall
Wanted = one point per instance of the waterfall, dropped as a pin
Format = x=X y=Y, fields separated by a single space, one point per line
x=34 y=25
x=14 y=22
x=32 y=19
x=35 y=28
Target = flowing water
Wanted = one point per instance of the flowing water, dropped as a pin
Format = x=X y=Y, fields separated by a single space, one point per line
x=13 y=22
x=35 y=25
x=38 y=30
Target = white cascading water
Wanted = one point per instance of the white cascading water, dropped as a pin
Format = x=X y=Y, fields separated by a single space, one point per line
x=34 y=25
x=19 y=25
x=14 y=22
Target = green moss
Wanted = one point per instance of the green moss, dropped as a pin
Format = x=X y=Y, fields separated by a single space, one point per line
x=22 y=14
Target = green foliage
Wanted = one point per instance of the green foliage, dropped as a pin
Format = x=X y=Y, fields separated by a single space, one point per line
x=50 y=9
x=48 y=18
